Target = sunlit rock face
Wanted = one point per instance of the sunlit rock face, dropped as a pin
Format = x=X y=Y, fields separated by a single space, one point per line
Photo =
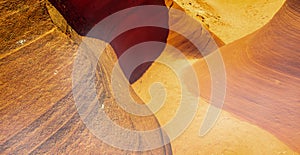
x=261 y=111
x=37 y=88
x=232 y=19
x=83 y=15
x=263 y=76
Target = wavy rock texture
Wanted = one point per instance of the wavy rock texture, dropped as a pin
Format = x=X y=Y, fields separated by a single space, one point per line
x=37 y=109
x=82 y=16
x=263 y=76
x=231 y=134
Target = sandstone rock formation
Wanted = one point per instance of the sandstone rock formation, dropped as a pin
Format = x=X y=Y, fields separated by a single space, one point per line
x=84 y=15
x=232 y=19
x=38 y=48
x=38 y=114
x=263 y=76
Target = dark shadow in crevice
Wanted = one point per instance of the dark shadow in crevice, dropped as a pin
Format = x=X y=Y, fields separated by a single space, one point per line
x=83 y=15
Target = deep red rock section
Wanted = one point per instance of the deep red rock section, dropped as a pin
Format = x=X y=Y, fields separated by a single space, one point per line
x=82 y=15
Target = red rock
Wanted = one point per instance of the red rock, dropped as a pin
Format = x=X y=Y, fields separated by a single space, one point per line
x=263 y=76
x=82 y=15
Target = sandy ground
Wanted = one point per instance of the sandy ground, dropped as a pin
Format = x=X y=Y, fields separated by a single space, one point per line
x=231 y=19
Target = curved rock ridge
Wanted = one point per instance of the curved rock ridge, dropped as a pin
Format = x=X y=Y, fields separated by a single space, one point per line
x=263 y=76
x=84 y=15
x=37 y=108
